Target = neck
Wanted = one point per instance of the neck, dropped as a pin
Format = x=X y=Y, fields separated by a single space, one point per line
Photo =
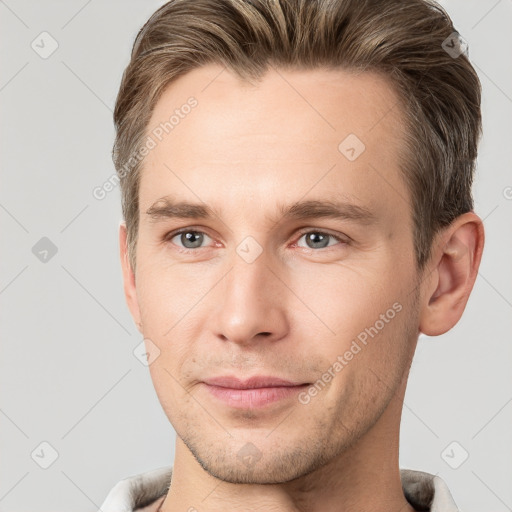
x=366 y=476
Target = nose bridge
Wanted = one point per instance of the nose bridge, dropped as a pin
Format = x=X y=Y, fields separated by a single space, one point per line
x=248 y=281
x=249 y=269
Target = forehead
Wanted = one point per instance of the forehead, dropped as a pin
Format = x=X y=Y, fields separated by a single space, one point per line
x=319 y=132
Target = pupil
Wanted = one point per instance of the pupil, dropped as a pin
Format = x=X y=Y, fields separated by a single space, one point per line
x=188 y=238
x=316 y=238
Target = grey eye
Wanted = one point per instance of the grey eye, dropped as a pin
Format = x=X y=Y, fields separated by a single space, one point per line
x=317 y=239
x=190 y=239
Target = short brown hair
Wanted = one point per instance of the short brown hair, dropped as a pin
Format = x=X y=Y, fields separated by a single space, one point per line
x=406 y=40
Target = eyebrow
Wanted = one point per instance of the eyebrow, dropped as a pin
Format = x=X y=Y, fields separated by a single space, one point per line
x=167 y=208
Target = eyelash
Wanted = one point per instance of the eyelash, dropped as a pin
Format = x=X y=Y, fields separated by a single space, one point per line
x=169 y=236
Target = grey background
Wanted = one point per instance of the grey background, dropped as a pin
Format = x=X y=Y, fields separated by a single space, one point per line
x=68 y=375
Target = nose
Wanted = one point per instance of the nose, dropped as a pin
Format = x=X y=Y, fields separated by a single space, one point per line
x=252 y=302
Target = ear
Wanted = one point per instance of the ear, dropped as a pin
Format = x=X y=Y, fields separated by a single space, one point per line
x=455 y=260
x=130 y=291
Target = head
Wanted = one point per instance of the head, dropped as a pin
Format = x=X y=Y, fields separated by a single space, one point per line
x=328 y=148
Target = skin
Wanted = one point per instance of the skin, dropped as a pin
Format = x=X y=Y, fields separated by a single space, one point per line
x=244 y=150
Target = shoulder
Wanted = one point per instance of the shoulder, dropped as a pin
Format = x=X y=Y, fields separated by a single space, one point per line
x=142 y=492
x=425 y=491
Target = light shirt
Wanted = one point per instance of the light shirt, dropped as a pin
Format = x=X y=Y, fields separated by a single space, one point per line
x=145 y=492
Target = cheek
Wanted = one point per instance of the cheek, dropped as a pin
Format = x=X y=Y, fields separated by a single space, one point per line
x=367 y=316
x=164 y=297
x=170 y=393
x=367 y=365
x=163 y=314
x=346 y=299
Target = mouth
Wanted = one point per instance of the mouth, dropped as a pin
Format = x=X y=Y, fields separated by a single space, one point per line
x=253 y=393
x=257 y=381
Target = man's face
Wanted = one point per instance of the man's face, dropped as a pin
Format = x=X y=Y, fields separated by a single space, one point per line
x=249 y=291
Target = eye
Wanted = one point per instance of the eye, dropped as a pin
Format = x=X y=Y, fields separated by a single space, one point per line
x=319 y=239
x=188 y=238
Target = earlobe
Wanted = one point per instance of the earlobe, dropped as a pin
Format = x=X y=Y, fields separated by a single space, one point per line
x=130 y=291
x=456 y=261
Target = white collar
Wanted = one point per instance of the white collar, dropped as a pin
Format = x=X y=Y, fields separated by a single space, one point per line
x=424 y=491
